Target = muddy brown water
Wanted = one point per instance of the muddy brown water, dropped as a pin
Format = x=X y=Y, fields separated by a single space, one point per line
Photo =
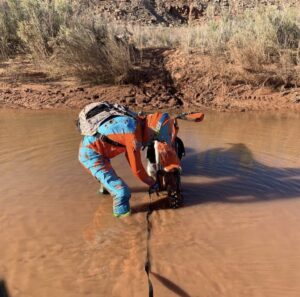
x=238 y=234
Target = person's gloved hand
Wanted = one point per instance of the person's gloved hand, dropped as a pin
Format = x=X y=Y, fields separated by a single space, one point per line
x=154 y=188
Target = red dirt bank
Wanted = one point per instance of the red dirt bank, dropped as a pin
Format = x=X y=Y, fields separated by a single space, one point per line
x=166 y=80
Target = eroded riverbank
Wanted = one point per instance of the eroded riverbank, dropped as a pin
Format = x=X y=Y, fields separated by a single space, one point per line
x=163 y=79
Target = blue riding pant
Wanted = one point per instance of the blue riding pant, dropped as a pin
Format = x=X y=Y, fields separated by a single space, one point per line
x=101 y=169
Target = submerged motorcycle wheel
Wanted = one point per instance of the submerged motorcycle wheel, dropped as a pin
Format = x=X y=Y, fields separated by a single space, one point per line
x=175 y=200
x=175 y=195
x=171 y=183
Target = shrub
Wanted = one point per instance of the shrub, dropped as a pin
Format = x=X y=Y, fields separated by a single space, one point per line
x=62 y=41
x=264 y=40
x=39 y=24
x=60 y=35
x=92 y=52
x=9 y=41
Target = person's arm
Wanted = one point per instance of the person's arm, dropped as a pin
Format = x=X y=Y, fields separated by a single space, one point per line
x=135 y=162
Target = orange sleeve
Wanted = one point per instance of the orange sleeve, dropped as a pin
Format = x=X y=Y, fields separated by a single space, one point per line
x=133 y=153
x=134 y=158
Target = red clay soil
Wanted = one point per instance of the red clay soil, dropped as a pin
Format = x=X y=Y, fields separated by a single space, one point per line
x=166 y=79
x=205 y=83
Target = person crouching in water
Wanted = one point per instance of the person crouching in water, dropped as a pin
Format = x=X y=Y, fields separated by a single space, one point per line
x=121 y=131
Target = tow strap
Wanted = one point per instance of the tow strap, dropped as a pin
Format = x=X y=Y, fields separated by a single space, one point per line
x=3 y=289
x=148 y=252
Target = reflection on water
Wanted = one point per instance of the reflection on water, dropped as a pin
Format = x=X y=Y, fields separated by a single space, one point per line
x=236 y=236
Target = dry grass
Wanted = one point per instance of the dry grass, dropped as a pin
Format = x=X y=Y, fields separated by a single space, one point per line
x=39 y=23
x=9 y=40
x=92 y=53
x=263 y=42
x=63 y=43
x=265 y=25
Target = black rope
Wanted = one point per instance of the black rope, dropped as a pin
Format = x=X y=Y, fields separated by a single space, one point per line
x=148 y=252
x=3 y=289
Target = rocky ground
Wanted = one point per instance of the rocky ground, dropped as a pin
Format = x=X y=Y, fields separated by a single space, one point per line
x=166 y=79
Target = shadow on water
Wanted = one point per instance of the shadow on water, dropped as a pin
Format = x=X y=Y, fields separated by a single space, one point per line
x=226 y=175
x=232 y=175
x=171 y=285
x=239 y=178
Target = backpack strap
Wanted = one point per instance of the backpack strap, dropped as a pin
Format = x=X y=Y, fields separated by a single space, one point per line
x=104 y=138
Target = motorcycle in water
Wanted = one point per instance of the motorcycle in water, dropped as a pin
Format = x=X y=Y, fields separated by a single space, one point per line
x=164 y=163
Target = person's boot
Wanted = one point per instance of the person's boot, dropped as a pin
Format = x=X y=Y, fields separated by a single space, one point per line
x=102 y=190
x=123 y=215
x=121 y=210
